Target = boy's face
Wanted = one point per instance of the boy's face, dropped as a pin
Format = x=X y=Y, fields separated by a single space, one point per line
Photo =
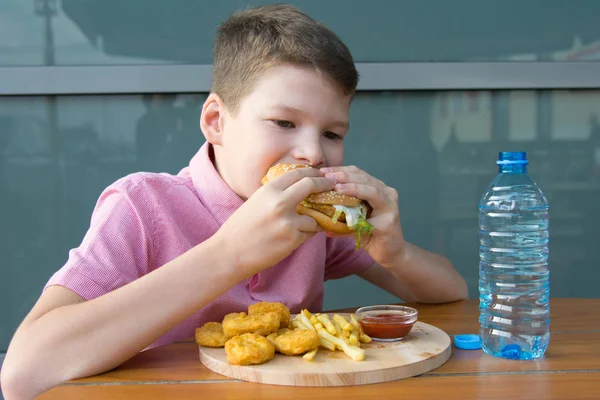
x=293 y=115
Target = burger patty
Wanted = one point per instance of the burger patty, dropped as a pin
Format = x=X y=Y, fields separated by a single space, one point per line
x=326 y=209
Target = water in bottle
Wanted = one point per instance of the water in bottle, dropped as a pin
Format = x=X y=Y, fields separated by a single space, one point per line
x=514 y=278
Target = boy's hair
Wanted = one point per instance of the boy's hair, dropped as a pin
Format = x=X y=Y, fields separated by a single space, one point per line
x=253 y=40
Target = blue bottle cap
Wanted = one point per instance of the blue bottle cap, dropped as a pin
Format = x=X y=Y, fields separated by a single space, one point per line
x=467 y=342
x=512 y=158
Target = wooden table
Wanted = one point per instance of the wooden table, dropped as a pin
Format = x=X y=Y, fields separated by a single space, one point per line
x=569 y=370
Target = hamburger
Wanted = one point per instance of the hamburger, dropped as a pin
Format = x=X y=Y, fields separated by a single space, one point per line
x=333 y=211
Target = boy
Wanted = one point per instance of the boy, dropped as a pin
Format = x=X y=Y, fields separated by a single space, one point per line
x=165 y=254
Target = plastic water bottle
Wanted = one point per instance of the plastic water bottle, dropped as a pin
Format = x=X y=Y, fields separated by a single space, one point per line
x=514 y=278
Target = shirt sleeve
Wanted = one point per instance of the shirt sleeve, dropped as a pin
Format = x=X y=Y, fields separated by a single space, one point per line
x=116 y=249
x=343 y=259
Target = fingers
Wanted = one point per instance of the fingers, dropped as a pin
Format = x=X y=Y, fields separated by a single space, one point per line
x=308 y=225
x=304 y=236
x=307 y=228
x=351 y=174
x=348 y=177
x=376 y=196
x=307 y=185
x=348 y=168
x=355 y=182
x=297 y=184
x=287 y=179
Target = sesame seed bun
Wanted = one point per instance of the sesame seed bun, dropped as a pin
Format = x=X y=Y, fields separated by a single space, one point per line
x=334 y=198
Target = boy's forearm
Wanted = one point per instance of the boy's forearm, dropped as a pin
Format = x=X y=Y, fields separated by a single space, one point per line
x=429 y=277
x=92 y=337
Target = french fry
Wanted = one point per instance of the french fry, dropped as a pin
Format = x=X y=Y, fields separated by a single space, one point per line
x=326 y=344
x=343 y=323
x=300 y=325
x=338 y=329
x=310 y=355
x=339 y=334
x=354 y=352
x=305 y=319
x=316 y=325
x=353 y=339
x=363 y=337
x=355 y=323
x=327 y=323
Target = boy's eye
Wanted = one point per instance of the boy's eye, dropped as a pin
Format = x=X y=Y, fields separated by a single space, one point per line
x=283 y=124
x=332 y=135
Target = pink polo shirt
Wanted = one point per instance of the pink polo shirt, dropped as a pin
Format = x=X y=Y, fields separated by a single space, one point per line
x=145 y=220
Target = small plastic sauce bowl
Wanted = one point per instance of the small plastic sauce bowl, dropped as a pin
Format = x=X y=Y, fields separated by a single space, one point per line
x=386 y=323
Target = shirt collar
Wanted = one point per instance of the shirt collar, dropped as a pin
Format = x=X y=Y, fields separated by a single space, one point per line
x=218 y=197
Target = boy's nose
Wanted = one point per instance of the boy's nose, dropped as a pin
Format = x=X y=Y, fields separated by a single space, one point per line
x=310 y=152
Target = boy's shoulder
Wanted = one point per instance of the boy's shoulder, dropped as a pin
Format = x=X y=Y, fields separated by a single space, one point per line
x=157 y=179
x=151 y=184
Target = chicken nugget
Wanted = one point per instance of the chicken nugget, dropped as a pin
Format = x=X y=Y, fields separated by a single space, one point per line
x=268 y=306
x=211 y=335
x=249 y=348
x=235 y=324
x=296 y=342
x=271 y=337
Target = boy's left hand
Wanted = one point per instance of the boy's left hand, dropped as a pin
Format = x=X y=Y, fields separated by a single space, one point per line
x=386 y=242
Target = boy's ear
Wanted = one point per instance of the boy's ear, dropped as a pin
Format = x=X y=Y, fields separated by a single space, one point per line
x=212 y=118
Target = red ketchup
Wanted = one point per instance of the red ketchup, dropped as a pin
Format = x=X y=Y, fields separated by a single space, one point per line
x=387 y=325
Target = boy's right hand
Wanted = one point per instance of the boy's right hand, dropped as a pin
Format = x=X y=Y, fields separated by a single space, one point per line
x=266 y=228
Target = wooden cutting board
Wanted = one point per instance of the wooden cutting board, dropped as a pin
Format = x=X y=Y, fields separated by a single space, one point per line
x=423 y=349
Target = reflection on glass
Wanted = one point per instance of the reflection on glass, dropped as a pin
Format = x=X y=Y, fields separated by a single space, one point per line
x=437 y=149
x=76 y=32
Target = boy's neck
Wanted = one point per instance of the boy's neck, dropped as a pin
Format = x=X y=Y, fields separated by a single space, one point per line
x=213 y=159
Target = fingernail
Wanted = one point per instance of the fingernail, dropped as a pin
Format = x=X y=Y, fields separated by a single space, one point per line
x=325 y=170
x=340 y=187
x=331 y=177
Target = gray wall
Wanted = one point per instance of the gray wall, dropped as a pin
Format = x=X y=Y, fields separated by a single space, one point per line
x=436 y=147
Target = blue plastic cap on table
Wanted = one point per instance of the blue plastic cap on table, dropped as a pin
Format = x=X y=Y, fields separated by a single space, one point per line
x=467 y=342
